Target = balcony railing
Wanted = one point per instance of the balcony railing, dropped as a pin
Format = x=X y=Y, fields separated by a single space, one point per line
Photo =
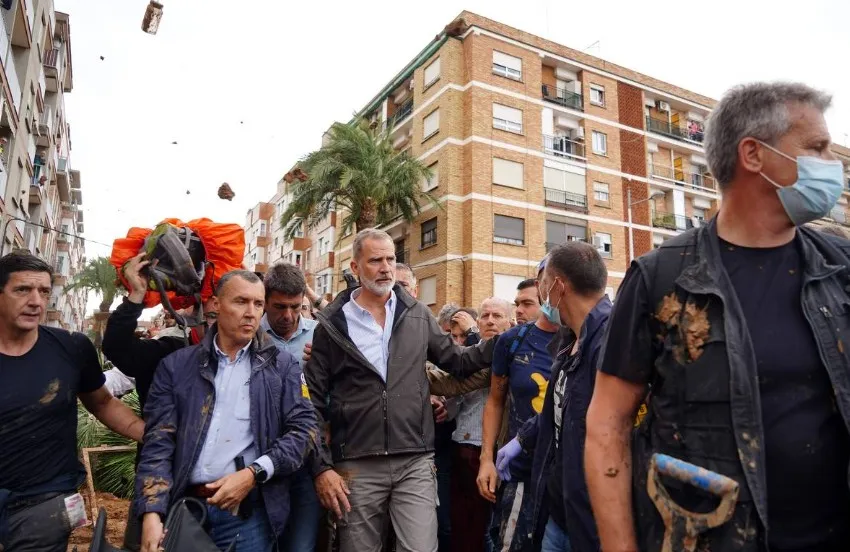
x=562 y=146
x=402 y=112
x=693 y=132
x=566 y=200
x=696 y=181
x=562 y=96
x=671 y=221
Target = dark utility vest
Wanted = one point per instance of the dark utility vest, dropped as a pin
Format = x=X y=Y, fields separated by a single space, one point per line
x=704 y=405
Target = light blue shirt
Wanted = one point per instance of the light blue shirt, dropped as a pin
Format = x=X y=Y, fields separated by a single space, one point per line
x=295 y=344
x=229 y=434
x=367 y=335
x=469 y=417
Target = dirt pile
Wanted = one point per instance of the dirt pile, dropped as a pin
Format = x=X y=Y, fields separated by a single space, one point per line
x=116 y=521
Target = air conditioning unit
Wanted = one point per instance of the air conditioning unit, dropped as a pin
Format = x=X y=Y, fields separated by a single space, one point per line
x=580 y=133
x=662 y=106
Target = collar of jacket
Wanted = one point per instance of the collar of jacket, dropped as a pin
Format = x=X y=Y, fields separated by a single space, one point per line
x=704 y=275
x=593 y=323
x=332 y=314
x=262 y=347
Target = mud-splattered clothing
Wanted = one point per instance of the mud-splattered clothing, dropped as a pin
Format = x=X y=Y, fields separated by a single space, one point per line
x=179 y=410
x=38 y=408
x=743 y=350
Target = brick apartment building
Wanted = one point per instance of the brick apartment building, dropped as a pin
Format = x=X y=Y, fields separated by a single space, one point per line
x=531 y=144
x=37 y=184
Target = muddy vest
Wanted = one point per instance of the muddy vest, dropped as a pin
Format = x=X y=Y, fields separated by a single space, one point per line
x=704 y=405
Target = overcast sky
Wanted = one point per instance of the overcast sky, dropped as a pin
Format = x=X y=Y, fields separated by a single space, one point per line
x=246 y=92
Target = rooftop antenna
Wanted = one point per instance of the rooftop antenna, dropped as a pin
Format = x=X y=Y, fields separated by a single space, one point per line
x=597 y=45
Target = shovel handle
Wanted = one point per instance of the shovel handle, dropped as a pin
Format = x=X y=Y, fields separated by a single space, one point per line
x=701 y=478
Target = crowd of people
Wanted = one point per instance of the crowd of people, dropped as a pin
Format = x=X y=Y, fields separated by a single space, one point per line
x=367 y=423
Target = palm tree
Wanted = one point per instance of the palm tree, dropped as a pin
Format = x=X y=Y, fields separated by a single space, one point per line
x=100 y=277
x=359 y=171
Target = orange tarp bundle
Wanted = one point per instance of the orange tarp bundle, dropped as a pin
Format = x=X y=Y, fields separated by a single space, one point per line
x=224 y=244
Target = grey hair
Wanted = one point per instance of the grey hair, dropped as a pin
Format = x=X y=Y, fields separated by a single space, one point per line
x=367 y=234
x=445 y=315
x=246 y=275
x=406 y=268
x=758 y=110
x=504 y=303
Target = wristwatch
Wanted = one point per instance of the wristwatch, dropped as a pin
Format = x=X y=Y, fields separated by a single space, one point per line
x=472 y=330
x=260 y=474
x=318 y=302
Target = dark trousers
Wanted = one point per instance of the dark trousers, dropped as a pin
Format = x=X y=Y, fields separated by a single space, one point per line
x=443 y=461
x=469 y=511
x=43 y=527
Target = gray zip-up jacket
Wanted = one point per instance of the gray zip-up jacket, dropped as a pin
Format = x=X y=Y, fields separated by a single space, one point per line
x=371 y=417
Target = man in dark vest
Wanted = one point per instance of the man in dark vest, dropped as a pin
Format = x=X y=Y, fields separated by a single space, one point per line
x=738 y=329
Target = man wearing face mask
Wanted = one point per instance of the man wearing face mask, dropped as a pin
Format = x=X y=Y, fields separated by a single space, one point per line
x=572 y=286
x=738 y=327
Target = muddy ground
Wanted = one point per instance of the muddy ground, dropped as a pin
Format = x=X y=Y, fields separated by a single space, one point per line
x=116 y=516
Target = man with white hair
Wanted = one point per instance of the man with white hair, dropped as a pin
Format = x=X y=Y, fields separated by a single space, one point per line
x=366 y=379
x=739 y=327
x=470 y=513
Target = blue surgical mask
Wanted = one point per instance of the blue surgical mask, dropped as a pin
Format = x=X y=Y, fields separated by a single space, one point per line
x=551 y=312
x=818 y=187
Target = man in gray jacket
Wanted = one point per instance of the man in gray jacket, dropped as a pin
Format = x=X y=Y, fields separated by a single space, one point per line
x=366 y=380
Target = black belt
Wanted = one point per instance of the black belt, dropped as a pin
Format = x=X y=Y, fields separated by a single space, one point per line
x=22 y=504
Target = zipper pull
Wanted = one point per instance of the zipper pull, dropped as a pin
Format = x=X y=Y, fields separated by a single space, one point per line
x=826 y=312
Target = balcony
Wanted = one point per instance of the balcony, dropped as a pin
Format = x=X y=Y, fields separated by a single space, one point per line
x=36 y=192
x=695 y=181
x=692 y=133
x=51 y=69
x=561 y=146
x=325 y=261
x=263 y=239
x=562 y=97
x=565 y=200
x=671 y=221
x=402 y=112
x=45 y=127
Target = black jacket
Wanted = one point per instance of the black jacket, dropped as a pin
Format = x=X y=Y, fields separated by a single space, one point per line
x=705 y=405
x=138 y=358
x=371 y=417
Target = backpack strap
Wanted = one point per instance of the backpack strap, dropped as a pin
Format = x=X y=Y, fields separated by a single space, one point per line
x=516 y=342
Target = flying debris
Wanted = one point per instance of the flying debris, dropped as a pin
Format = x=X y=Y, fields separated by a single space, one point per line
x=225 y=192
x=153 y=14
x=102 y=58
x=174 y=143
x=188 y=192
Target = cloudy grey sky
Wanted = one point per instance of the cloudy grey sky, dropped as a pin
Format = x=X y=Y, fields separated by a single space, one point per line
x=246 y=92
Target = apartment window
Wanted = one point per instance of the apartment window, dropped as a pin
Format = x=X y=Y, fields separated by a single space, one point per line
x=298 y=260
x=323 y=246
x=558 y=232
x=565 y=181
x=323 y=284
x=431 y=125
x=509 y=230
x=275 y=242
x=299 y=232
x=307 y=257
x=262 y=228
x=600 y=192
x=507 y=66
x=602 y=242
x=432 y=73
x=428 y=290
x=434 y=180
x=507 y=118
x=60 y=264
x=429 y=233
x=597 y=94
x=507 y=173
x=64 y=228
x=699 y=214
x=600 y=143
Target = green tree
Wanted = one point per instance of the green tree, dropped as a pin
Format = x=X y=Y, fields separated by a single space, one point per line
x=100 y=277
x=359 y=172
x=113 y=472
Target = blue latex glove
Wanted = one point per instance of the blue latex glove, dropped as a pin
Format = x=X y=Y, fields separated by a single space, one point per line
x=504 y=458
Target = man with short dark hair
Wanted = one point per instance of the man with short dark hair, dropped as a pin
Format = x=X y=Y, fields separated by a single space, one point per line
x=369 y=354
x=520 y=375
x=43 y=371
x=741 y=329
x=227 y=418
x=573 y=289
x=285 y=293
x=527 y=302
